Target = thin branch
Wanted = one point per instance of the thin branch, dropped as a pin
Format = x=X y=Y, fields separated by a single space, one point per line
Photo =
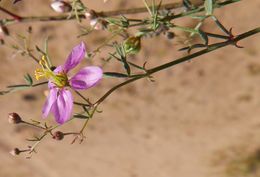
x=170 y=6
x=16 y=17
x=181 y=60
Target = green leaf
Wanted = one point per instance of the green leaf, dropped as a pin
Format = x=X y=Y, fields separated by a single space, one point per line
x=28 y=79
x=115 y=74
x=126 y=65
x=187 y=4
x=21 y=86
x=195 y=46
x=196 y=28
x=220 y=25
x=208 y=4
x=121 y=52
x=39 y=50
x=80 y=116
x=204 y=37
x=199 y=17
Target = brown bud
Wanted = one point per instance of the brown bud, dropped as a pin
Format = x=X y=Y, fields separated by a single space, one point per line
x=58 y=135
x=2 y=42
x=170 y=35
x=15 y=152
x=14 y=118
x=3 y=31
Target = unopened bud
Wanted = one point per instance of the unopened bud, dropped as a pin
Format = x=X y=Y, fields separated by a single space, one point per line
x=3 y=31
x=15 y=152
x=132 y=44
x=170 y=35
x=91 y=14
x=58 y=135
x=2 y=42
x=61 y=6
x=98 y=24
x=14 y=118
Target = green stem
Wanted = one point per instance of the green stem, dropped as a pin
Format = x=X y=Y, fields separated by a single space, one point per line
x=186 y=29
x=33 y=125
x=181 y=60
x=41 y=83
x=86 y=122
x=81 y=104
x=82 y=96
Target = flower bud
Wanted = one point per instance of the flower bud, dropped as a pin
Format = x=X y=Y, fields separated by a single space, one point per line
x=2 y=42
x=61 y=6
x=91 y=14
x=58 y=135
x=98 y=24
x=14 y=118
x=15 y=152
x=3 y=31
x=170 y=35
x=132 y=44
x=95 y=21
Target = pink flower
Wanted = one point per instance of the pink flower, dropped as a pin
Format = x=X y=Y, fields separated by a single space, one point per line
x=60 y=100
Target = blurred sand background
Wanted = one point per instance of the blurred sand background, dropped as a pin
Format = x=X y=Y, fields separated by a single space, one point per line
x=199 y=119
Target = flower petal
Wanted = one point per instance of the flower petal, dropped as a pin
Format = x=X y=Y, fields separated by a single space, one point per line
x=49 y=102
x=58 y=70
x=86 y=78
x=75 y=57
x=62 y=108
x=51 y=85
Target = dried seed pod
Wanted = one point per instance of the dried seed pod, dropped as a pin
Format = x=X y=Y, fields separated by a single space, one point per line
x=58 y=135
x=14 y=118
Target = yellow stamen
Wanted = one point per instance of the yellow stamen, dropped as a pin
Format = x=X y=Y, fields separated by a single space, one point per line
x=39 y=73
x=60 y=79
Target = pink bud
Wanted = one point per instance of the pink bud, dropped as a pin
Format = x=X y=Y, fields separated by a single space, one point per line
x=15 y=152
x=91 y=14
x=3 y=31
x=61 y=6
x=98 y=24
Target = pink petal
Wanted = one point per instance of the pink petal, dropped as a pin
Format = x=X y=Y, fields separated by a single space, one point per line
x=51 y=85
x=49 y=102
x=62 y=108
x=86 y=78
x=58 y=70
x=75 y=57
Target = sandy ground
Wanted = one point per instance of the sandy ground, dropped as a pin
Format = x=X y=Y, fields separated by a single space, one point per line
x=200 y=119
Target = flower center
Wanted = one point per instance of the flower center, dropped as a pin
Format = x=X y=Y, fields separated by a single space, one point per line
x=59 y=79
